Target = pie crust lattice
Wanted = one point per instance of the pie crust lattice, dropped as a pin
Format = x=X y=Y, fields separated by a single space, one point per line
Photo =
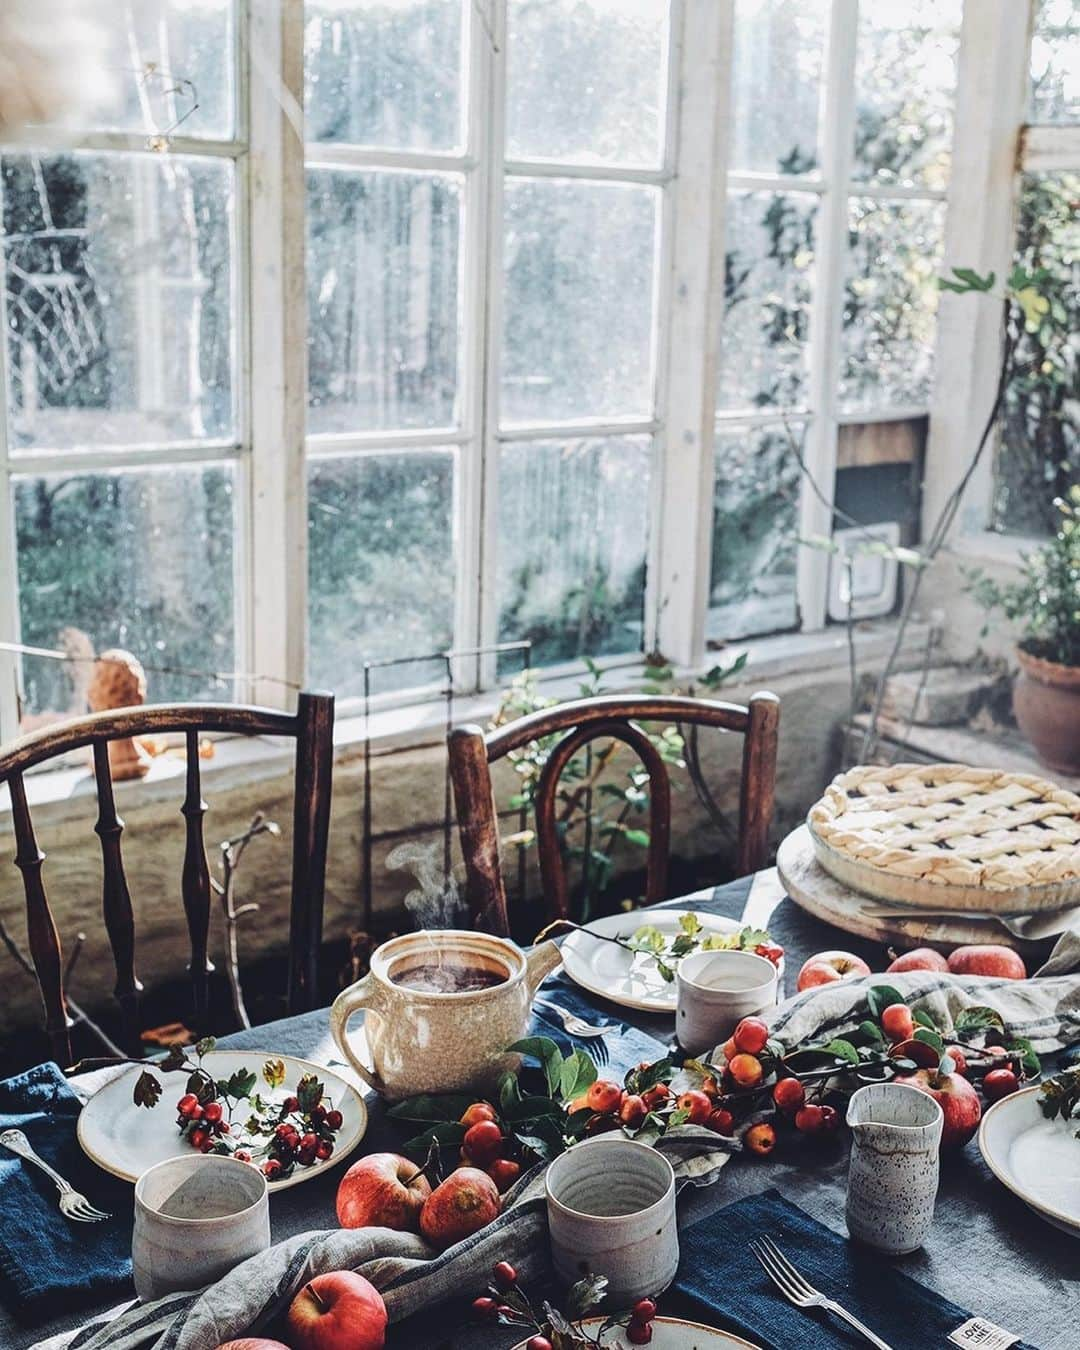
x=953 y=825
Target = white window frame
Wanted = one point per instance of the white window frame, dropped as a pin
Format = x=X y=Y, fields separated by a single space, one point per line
x=994 y=146
x=272 y=450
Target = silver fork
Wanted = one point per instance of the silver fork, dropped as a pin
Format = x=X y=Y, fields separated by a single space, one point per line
x=72 y=1204
x=575 y=1026
x=800 y=1291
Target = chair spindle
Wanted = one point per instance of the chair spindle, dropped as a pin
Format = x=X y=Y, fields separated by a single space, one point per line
x=195 y=882
x=41 y=929
x=116 y=899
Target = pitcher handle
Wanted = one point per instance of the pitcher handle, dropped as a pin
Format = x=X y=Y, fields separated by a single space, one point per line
x=360 y=995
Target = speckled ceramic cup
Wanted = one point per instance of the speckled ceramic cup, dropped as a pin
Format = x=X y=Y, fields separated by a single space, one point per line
x=893 y=1176
x=611 y=1211
x=196 y=1218
x=715 y=990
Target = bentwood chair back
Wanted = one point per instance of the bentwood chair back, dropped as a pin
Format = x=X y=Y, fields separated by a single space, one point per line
x=311 y=726
x=620 y=717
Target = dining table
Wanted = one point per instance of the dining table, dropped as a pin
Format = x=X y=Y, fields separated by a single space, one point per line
x=986 y=1251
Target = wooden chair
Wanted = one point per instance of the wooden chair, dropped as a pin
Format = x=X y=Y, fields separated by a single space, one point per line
x=311 y=727
x=472 y=752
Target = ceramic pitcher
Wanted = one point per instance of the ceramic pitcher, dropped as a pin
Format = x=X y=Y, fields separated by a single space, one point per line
x=893 y=1177
x=426 y=1039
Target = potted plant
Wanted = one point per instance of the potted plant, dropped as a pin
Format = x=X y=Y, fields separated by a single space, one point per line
x=1045 y=600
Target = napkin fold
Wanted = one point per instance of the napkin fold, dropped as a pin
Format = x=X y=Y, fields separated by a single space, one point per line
x=720 y=1282
x=44 y=1256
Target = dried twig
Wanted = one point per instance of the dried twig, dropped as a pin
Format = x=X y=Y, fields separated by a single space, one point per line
x=232 y=850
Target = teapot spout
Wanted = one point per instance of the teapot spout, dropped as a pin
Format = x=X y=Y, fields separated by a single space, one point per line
x=539 y=963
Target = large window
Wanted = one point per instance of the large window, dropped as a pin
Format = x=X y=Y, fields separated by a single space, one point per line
x=1039 y=448
x=362 y=329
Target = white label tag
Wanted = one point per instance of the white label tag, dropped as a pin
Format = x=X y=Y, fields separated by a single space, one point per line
x=977 y=1331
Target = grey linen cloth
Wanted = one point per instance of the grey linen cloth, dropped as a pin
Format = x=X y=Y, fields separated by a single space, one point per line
x=402 y=1266
x=1046 y=1010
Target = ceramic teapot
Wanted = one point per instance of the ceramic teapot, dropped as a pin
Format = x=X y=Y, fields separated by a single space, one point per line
x=441 y=1006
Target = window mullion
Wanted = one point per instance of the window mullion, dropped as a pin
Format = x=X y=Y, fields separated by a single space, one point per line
x=9 y=577
x=979 y=233
x=489 y=359
x=682 y=521
x=277 y=350
x=837 y=149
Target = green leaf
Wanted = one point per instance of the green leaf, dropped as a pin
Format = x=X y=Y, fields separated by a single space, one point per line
x=639 y=837
x=147 y=1090
x=928 y=1037
x=445 y=1134
x=547 y=1053
x=509 y=1091
x=978 y=1017
x=882 y=996
x=870 y=1032
x=309 y=1092
x=578 y=1073
x=241 y=1083
x=923 y=1019
x=431 y=1106
x=1032 y=1065
x=844 y=1050
x=662 y=1071
x=174 y=1060
x=530 y=1108
x=585 y=1295
x=204 y=1046
x=544 y=1136
x=690 y=923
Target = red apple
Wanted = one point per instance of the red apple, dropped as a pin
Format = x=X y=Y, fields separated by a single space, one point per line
x=958 y=1101
x=383 y=1190
x=828 y=967
x=1001 y=963
x=922 y=958
x=253 y=1343
x=464 y=1203
x=338 y=1311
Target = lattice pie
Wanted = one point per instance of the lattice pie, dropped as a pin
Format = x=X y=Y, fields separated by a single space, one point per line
x=952 y=825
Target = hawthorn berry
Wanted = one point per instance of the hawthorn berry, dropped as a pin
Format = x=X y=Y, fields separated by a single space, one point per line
x=486 y=1308
x=830 y=1119
x=212 y=1111
x=644 y=1309
x=334 y=1119
x=999 y=1083
x=504 y=1274
x=538 y=1343
x=750 y=1036
x=789 y=1094
x=186 y=1102
x=809 y=1118
x=638 y=1333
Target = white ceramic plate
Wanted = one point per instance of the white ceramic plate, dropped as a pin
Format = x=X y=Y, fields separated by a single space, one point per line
x=1036 y=1158
x=672 y=1333
x=126 y=1139
x=630 y=978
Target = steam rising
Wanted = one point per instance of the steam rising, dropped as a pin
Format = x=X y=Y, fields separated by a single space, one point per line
x=436 y=901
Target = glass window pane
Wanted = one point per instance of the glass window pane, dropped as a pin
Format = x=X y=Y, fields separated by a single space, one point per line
x=890 y=303
x=140 y=560
x=779 y=45
x=578 y=307
x=382 y=279
x=573 y=523
x=755 y=529
x=905 y=87
x=384 y=72
x=170 y=66
x=119 y=298
x=380 y=566
x=768 y=272
x=1055 y=62
x=586 y=80
x=1039 y=453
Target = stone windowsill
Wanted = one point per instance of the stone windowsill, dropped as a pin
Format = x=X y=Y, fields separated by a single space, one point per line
x=239 y=761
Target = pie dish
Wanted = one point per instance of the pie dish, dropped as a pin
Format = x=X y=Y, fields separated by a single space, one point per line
x=951 y=837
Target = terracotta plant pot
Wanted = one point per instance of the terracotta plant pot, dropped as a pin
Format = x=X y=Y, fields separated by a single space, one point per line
x=1046 y=701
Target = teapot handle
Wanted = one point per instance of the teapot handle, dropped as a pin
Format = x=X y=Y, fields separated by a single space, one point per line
x=363 y=994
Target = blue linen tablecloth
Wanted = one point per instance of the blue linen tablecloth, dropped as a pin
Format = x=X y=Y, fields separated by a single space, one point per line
x=986 y=1251
x=44 y=1256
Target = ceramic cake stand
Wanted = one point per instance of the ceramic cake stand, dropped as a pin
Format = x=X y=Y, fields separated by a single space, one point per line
x=814 y=890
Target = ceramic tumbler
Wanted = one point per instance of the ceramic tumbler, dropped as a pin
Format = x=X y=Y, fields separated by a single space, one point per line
x=196 y=1218
x=893 y=1175
x=611 y=1211
x=715 y=990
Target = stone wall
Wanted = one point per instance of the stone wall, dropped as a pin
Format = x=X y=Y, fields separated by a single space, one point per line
x=407 y=802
